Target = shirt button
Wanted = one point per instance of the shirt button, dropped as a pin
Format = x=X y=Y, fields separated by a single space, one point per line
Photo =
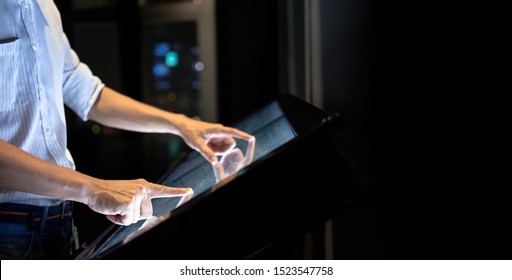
x=24 y=4
x=34 y=46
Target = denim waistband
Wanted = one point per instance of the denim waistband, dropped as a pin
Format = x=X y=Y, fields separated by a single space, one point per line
x=16 y=213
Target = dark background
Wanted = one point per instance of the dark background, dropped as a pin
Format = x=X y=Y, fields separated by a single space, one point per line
x=391 y=71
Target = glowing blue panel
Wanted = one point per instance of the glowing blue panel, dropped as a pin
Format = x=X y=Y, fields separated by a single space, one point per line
x=161 y=49
x=172 y=59
x=160 y=70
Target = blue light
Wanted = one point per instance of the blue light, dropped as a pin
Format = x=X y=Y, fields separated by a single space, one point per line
x=160 y=49
x=194 y=50
x=162 y=85
x=196 y=84
x=172 y=59
x=160 y=70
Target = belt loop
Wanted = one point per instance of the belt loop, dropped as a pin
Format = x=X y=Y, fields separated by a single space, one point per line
x=62 y=210
x=44 y=215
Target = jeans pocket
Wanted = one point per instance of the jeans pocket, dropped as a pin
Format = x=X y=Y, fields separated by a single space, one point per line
x=15 y=241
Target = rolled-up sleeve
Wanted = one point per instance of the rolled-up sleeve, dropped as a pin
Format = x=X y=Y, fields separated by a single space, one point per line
x=81 y=87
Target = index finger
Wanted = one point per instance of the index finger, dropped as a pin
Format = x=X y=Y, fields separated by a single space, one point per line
x=156 y=191
x=235 y=133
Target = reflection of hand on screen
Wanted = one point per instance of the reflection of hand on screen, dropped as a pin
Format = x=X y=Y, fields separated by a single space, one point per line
x=249 y=154
x=233 y=160
x=186 y=197
x=147 y=225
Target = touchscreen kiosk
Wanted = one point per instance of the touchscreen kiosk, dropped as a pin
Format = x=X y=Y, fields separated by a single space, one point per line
x=297 y=178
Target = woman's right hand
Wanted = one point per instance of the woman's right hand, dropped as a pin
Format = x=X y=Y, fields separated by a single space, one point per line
x=127 y=201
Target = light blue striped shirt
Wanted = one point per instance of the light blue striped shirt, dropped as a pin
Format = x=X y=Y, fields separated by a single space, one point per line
x=39 y=74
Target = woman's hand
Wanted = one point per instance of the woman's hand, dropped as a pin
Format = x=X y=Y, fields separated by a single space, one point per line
x=128 y=201
x=210 y=139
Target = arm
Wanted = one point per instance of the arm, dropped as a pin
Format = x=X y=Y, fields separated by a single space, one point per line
x=124 y=202
x=119 y=111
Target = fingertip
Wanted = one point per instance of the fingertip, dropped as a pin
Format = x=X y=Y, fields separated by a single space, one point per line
x=239 y=133
x=246 y=135
x=187 y=191
x=250 y=138
x=117 y=219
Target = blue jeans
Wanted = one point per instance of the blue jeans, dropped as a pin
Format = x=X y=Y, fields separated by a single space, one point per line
x=38 y=239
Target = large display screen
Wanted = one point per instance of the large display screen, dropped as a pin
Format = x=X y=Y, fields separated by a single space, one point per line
x=271 y=129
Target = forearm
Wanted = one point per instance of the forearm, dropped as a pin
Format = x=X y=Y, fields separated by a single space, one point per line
x=119 y=111
x=116 y=110
x=21 y=171
x=124 y=202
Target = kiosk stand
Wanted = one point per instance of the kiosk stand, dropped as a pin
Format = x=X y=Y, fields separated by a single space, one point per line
x=298 y=180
